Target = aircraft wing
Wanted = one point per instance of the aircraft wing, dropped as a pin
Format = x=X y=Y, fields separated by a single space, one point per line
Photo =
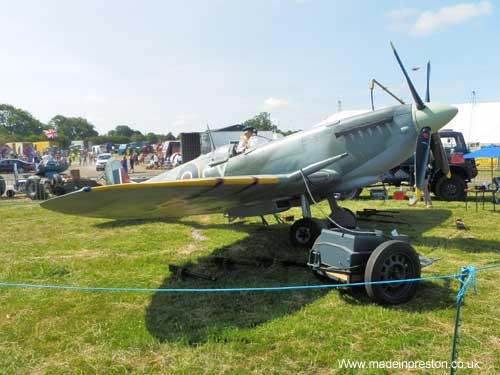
x=164 y=199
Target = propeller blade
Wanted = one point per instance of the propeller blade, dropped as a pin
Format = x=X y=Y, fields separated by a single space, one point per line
x=440 y=155
x=422 y=156
x=416 y=98
x=427 y=93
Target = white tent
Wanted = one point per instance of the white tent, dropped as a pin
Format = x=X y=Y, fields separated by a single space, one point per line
x=479 y=122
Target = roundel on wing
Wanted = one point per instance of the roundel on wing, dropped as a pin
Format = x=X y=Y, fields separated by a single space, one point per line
x=188 y=172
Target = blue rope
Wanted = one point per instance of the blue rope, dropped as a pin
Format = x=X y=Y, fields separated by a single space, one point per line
x=470 y=273
x=224 y=290
x=488 y=267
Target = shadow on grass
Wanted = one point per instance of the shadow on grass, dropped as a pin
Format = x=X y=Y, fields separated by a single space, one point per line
x=194 y=318
x=182 y=221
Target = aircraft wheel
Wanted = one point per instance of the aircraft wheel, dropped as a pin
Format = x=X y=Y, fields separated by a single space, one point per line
x=304 y=232
x=392 y=260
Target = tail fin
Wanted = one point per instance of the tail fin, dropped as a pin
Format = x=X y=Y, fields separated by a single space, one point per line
x=115 y=174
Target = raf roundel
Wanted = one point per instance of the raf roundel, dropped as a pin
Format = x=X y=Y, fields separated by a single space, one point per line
x=188 y=172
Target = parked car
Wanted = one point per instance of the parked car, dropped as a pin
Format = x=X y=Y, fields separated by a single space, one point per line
x=101 y=161
x=7 y=165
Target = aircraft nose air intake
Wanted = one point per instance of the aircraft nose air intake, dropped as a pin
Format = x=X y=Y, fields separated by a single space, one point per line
x=433 y=116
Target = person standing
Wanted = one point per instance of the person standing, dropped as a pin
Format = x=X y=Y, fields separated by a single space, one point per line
x=425 y=194
x=132 y=163
x=125 y=164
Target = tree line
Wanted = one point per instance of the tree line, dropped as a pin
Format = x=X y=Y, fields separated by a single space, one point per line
x=19 y=125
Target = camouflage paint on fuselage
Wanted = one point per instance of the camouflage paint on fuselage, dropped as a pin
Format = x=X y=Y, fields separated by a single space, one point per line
x=374 y=142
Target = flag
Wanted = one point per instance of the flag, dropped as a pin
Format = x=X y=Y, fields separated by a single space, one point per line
x=50 y=134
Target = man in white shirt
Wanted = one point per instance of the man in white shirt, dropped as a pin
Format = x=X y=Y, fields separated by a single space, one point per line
x=244 y=143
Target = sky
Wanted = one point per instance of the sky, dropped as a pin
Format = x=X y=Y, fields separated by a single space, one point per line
x=178 y=66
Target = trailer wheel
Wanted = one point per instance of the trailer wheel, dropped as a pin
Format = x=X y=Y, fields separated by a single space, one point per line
x=392 y=260
x=304 y=232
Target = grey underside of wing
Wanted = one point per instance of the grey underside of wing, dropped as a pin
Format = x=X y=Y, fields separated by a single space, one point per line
x=140 y=202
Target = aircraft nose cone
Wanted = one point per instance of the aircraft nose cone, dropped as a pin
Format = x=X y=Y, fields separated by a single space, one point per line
x=434 y=116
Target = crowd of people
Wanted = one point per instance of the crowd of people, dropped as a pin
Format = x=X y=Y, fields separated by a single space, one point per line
x=152 y=158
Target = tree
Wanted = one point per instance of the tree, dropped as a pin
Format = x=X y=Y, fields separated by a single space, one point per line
x=152 y=138
x=18 y=124
x=123 y=131
x=170 y=137
x=261 y=122
x=137 y=137
x=72 y=128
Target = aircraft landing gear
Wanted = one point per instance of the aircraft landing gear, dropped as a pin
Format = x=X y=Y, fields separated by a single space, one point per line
x=305 y=231
x=343 y=216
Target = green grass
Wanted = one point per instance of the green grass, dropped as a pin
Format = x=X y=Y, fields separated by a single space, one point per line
x=68 y=332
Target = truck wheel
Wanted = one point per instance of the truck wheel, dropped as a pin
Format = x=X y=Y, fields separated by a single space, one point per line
x=452 y=189
x=35 y=189
x=304 y=232
x=392 y=260
x=350 y=195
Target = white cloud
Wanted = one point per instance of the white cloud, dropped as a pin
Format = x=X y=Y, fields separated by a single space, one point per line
x=421 y=23
x=401 y=19
x=273 y=103
x=429 y=21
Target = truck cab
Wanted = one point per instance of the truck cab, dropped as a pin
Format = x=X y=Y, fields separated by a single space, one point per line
x=462 y=170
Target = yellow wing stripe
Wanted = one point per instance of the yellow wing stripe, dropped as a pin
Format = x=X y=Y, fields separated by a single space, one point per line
x=194 y=182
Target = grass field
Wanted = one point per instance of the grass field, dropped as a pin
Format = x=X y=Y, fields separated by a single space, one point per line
x=74 y=332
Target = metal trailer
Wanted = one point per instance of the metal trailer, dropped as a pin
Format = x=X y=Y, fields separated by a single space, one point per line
x=358 y=257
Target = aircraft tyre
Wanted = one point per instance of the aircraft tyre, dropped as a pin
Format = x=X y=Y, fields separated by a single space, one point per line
x=304 y=232
x=392 y=260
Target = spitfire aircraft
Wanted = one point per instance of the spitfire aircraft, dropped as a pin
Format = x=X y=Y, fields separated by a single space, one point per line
x=297 y=170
